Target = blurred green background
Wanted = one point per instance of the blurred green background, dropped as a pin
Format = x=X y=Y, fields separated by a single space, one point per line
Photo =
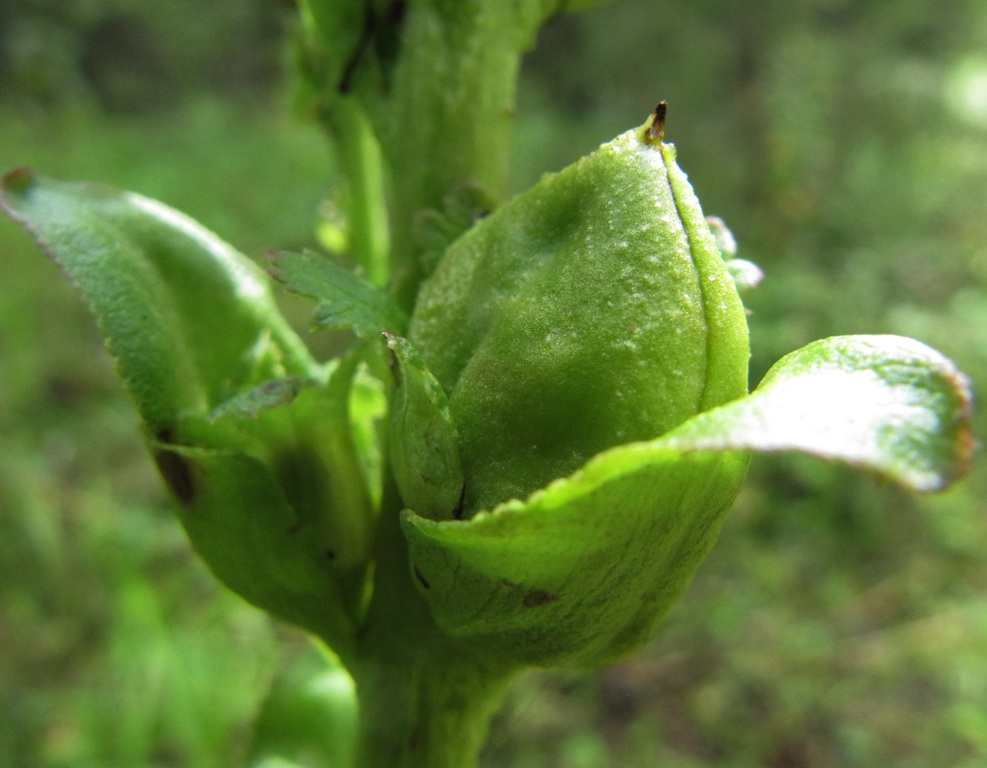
x=838 y=622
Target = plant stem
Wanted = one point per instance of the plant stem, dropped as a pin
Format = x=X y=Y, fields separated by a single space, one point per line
x=360 y=159
x=427 y=708
x=426 y=699
x=448 y=115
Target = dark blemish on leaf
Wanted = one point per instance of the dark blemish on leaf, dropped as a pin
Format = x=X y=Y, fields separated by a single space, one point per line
x=656 y=131
x=537 y=598
x=177 y=474
x=457 y=511
x=422 y=579
x=330 y=554
x=18 y=180
x=508 y=583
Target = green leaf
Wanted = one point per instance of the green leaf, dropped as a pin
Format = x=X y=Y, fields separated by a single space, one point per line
x=240 y=521
x=303 y=433
x=252 y=402
x=583 y=571
x=250 y=434
x=309 y=718
x=424 y=442
x=344 y=300
x=887 y=404
x=190 y=321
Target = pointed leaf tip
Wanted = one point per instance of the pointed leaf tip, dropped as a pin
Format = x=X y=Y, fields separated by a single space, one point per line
x=16 y=181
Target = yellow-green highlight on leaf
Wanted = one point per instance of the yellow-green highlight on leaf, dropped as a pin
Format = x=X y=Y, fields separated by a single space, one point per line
x=309 y=717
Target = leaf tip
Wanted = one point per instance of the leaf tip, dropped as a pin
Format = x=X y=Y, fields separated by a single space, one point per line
x=16 y=182
x=655 y=131
x=18 y=178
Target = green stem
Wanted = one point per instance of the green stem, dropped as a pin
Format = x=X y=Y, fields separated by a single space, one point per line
x=427 y=709
x=360 y=159
x=448 y=115
x=425 y=699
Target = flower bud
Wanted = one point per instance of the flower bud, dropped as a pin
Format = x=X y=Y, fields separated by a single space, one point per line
x=591 y=311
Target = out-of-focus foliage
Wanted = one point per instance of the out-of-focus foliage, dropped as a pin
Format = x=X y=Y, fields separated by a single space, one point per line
x=131 y=56
x=838 y=622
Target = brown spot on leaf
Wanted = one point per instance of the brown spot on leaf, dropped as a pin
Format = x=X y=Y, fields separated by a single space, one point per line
x=457 y=513
x=538 y=597
x=177 y=474
x=422 y=580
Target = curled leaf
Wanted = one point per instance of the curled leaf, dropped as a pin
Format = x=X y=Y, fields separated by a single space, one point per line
x=888 y=404
x=240 y=521
x=583 y=571
x=189 y=320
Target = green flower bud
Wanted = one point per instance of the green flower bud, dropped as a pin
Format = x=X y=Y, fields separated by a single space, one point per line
x=591 y=311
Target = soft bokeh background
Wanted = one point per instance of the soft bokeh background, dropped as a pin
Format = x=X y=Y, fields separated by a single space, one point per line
x=838 y=622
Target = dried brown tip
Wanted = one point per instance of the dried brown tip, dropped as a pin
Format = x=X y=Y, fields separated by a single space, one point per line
x=656 y=131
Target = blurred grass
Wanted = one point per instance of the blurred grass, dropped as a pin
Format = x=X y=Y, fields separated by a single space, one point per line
x=839 y=622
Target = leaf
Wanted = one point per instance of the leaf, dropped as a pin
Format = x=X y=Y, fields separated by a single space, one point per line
x=241 y=523
x=583 y=571
x=887 y=404
x=303 y=433
x=424 y=441
x=344 y=300
x=262 y=466
x=190 y=321
x=270 y=394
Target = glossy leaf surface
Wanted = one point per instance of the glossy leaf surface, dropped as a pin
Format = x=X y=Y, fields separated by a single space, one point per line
x=189 y=320
x=887 y=404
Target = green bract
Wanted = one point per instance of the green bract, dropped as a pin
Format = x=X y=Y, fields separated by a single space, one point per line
x=593 y=310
